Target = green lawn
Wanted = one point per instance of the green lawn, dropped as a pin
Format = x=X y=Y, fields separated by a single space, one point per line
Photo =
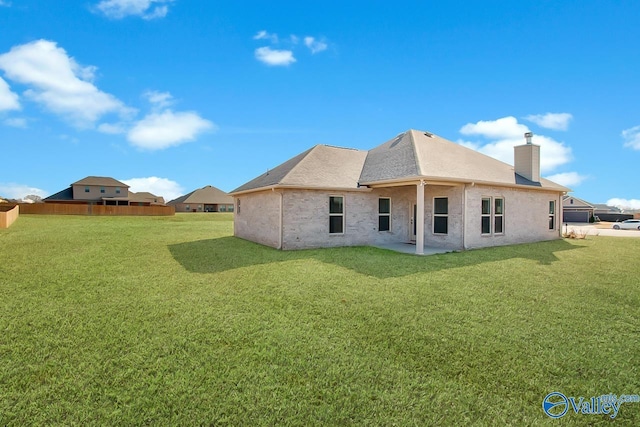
x=171 y=321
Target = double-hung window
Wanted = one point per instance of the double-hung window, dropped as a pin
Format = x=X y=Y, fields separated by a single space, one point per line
x=492 y=216
x=486 y=215
x=336 y=214
x=440 y=215
x=384 y=214
x=552 y=215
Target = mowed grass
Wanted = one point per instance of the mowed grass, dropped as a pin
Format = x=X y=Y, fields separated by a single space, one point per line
x=171 y=321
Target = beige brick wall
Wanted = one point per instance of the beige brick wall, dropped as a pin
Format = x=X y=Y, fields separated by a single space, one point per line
x=526 y=216
x=258 y=219
x=306 y=217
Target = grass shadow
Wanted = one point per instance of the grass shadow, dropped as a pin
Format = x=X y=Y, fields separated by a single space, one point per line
x=228 y=253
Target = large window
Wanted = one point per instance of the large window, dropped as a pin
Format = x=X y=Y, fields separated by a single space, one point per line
x=440 y=215
x=336 y=214
x=492 y=216
x=552 y=215
x=384 y=214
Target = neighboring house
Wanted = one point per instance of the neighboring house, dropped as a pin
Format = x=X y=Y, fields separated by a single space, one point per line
x=205 y=199
x=610 y=213
x=100 y=190
x=576 y=210
x=416 y=187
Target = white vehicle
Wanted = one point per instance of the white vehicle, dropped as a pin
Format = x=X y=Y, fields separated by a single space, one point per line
x=629 y=224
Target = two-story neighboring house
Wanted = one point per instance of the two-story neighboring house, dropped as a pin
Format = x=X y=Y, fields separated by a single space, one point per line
x=100 y=190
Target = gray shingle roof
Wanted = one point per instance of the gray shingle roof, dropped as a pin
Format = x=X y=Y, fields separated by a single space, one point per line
x=410 y=155
x=101 y=180
x=66 y=194
x=322 y=166
x=431 y=157
x=208 y=194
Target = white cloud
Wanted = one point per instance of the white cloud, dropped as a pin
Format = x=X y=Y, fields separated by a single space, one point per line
x=158 y=131
x=159 y=99
x=274 y=57
x=146 y=9
x=555 y=121
x=568 y=179
x=505 y=133
x=264 y=35
x=19 y=191
x=159 y=186
x=624 y=203
x=16 y=122
x=506 y=127
x=5 y=3
x=8 y=99
x=59 y=83
x=314 y=45
x=632 y=137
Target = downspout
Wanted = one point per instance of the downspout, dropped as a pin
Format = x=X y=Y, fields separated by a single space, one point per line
x=464 y=218
x=280 y=234
x=464 y=215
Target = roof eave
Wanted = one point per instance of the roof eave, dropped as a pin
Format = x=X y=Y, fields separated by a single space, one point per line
x=433 y=180
x=299 y=187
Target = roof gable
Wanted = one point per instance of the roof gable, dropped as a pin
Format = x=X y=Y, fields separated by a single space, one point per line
x=574 y=202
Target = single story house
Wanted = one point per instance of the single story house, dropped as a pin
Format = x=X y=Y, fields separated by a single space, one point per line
x=576 y=210
x=205 y=199
x=415 y=188
x=101 y=190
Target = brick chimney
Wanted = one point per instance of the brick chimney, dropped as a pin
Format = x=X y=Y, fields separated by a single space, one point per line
x=527 y=159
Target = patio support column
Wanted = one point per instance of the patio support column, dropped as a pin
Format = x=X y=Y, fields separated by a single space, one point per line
x=420 y=218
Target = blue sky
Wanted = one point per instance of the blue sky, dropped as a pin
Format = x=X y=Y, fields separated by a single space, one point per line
x=173 y=95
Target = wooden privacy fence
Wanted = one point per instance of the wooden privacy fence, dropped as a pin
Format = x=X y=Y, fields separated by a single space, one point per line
x=8 y=214
x=81 y=209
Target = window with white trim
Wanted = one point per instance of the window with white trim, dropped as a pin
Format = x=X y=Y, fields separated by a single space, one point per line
x=336 y=215
x=384 y=214
x=440 y=215
x=552 y=214
x=492 y=216
x=498 y=215
x=486 y=215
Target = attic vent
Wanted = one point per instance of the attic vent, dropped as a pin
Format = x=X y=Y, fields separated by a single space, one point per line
x=430 y=135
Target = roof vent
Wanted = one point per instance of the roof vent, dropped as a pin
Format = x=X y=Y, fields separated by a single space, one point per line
x=430 y=135
x=528 y=136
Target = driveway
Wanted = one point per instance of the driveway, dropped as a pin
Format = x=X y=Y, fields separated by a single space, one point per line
x=593 y=230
